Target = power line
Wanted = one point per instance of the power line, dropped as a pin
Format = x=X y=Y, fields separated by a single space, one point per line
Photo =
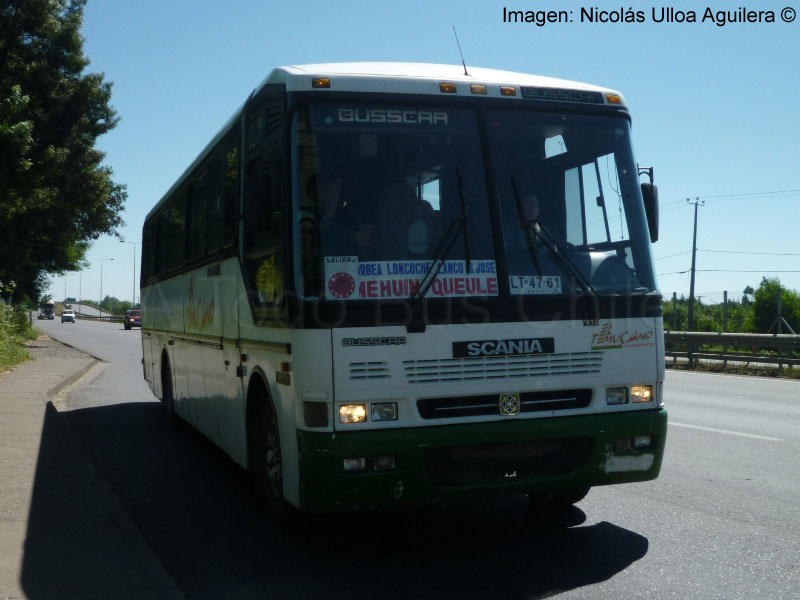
x=745 y=271
x=750 y=194
x=729 y=271
x=671 y=255
x=743 y=252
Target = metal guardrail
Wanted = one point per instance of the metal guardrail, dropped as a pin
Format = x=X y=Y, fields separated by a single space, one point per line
x=110 y=319
x=735 y=347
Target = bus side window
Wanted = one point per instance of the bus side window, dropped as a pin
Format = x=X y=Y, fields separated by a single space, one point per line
x=149 y=250
x=162 y=238
x=263 y=209
x=214 y=207
x=177 y=223
x=196 y=230
x=231 y=191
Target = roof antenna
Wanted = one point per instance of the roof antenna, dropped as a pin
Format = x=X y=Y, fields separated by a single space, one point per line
x=459 y=51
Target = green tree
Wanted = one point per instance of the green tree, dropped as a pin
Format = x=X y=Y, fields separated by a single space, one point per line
x=765 y=306
x=55 y=193
x=114 y=305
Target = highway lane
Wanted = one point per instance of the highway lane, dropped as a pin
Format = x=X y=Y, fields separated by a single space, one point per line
x=120 y=351
x=722 y=521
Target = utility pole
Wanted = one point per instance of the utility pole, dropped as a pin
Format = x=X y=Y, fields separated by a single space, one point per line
x=697 y=202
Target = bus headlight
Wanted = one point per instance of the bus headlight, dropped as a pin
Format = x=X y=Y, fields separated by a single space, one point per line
x=617 y=395
x=352 y=413
x=642 y=393
x=384 y=411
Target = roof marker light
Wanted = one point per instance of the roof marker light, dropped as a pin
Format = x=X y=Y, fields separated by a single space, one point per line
x=447 y=88
x=613 y=99
x=322 y=82
x=508 y=91
x=477 y=89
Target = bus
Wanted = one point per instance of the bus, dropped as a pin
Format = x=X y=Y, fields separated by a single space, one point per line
x=47 y=309
x=384 y=285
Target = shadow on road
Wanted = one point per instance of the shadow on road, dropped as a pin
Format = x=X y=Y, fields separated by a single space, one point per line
x=195 y=510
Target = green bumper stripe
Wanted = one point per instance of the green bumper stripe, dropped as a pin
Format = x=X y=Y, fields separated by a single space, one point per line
x=587 y=441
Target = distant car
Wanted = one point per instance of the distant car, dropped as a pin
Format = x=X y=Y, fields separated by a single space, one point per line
x=68 y=316
x=133 y=318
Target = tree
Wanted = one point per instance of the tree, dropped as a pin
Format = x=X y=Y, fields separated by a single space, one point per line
x=765 y=306
x=55 y=193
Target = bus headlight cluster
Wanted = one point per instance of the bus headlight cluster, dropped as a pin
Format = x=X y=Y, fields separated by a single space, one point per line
x=357 y=413
x=642 y=393
x=639 y=393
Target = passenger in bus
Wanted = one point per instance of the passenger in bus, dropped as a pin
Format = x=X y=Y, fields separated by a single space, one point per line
x=399 y=207
x=343 y=231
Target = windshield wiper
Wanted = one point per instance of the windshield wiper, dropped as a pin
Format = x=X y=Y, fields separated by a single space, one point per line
x=550 y=244
x=465 y=221
x=458 y=224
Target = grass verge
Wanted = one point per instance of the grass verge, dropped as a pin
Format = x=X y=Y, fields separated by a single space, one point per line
x=15 y=330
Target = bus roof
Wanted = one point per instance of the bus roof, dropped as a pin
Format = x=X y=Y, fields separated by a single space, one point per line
x=410 y=78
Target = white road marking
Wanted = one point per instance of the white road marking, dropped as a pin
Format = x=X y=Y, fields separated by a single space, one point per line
x=739 y=433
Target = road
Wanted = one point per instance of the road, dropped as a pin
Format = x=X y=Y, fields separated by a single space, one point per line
x=722 y=521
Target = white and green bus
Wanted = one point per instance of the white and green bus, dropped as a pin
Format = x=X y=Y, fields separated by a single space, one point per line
x=394 y=284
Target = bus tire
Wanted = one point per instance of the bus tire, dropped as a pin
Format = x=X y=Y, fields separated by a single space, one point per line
x=264 y=446
x=557 y=501
x=167 y=395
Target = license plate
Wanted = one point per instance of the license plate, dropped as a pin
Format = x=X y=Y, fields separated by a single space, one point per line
x=535 y=284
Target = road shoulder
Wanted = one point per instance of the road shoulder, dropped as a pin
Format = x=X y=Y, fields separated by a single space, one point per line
x=62 y=531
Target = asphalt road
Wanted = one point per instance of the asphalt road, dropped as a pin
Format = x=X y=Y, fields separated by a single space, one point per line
x=722 y=521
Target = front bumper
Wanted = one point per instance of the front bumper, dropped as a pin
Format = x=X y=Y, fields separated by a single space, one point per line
x=437 y=464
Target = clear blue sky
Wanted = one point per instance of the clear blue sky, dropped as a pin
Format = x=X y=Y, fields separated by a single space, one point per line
x=716 y=110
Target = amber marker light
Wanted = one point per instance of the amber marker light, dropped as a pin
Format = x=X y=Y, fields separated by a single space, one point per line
x=613 y=99
x=477 y=89
x=508 y=91
x=322 y=82
x=447 y=88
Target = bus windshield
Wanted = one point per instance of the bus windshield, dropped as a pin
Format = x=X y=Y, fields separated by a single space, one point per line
x=384 y=194
x=382 y=191
x=570 y=203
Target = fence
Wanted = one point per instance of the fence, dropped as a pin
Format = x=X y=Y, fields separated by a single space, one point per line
x=111 y=319
x=781 y=349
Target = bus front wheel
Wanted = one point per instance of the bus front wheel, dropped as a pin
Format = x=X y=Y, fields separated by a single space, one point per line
x=265 y=446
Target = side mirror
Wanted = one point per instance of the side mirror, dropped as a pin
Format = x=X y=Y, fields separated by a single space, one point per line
x=650 y=197
x=418 y=237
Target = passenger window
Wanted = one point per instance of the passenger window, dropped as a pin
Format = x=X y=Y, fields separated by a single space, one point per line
x=231 y=191
x=214 y=205
x=198 y=193
x=177 y=223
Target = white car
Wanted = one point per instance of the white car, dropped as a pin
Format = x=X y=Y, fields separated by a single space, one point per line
x=68 y=316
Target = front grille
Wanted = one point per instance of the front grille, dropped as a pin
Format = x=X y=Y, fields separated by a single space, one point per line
x=502 y=367
x=478 y=406
x=369 y=370
x=506 y=463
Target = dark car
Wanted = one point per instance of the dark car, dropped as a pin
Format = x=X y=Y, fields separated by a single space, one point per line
x=133 y=318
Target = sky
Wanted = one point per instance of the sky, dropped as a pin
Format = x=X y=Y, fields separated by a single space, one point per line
x=715 y=108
